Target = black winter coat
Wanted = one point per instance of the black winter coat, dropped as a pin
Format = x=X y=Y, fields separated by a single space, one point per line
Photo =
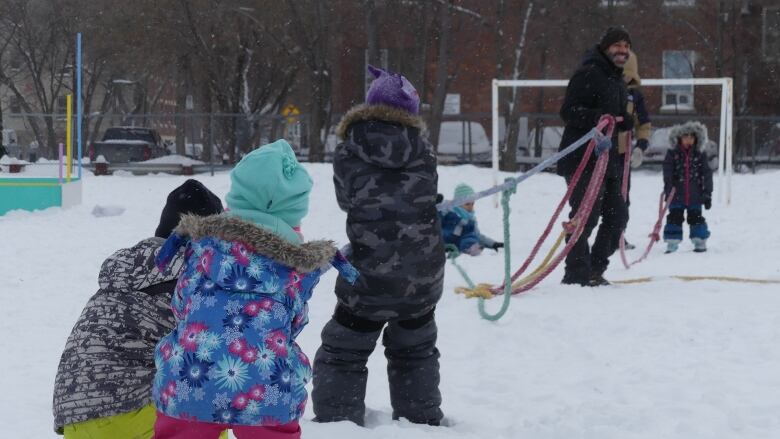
x=386 y=180
x=596 y=88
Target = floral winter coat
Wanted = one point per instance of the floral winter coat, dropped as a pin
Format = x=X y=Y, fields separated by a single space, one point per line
x=239 y=305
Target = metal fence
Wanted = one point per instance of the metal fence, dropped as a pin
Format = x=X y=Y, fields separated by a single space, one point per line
x=218 y=138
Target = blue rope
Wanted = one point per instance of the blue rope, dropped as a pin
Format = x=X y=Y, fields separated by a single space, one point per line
x=514 y=181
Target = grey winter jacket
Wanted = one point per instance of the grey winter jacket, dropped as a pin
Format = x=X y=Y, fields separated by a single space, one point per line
x=108 y=362
x=386 y=180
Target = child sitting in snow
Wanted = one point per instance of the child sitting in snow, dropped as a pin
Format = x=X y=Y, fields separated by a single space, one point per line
x=459 y=226
x=232 y=362
x=686 y=169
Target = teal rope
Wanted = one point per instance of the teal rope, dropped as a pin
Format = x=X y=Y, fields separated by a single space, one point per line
x=507 y=262
x=452 y=255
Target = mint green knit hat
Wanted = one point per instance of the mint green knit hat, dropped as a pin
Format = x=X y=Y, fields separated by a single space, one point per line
x=271 y=189
x=462 y=191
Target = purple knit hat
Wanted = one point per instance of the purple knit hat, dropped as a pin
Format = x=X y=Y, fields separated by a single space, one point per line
x=392 y=89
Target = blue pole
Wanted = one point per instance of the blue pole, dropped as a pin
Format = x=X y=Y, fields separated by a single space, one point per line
x=78 y=99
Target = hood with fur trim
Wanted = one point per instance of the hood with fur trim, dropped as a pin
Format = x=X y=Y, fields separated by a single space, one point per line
x=305 y=257
x=631 y=70
x=690 y=127
x=385 y=113
x=383 y=136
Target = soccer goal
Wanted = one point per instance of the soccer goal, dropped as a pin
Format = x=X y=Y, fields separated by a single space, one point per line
x=726 y=119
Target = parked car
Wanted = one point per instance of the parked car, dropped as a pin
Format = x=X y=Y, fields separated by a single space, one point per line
x=128 y=144
x=455 y=142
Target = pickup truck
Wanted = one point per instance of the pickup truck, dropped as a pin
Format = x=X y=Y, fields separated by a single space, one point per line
x=128 y=144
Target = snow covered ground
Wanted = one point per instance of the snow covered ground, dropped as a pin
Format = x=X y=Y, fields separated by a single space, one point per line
x=663 y=359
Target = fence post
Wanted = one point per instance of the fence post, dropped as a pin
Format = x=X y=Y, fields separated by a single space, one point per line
x=753 y=142
x=211 y=142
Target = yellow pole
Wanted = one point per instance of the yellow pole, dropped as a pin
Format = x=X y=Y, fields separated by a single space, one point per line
x=68 y=134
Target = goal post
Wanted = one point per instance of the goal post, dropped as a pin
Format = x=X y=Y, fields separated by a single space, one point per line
x=725 y=140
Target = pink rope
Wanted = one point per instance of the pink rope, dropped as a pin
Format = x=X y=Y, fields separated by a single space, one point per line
x=606 y=122
x=655 y=235
x=581 y=218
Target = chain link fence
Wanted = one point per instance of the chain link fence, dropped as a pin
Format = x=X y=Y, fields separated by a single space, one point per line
x=218 y=138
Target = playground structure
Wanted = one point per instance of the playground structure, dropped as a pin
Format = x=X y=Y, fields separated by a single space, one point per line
x=40 y=192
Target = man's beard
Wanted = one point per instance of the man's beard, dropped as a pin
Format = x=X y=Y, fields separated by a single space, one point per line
x=619 y=58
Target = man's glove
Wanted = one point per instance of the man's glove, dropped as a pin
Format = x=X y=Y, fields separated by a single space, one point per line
x=439 y=198
x=603 y=143
x=497 y=245
x=637 y=157
x=707 y=202
x=627 y=124
x=642 y=144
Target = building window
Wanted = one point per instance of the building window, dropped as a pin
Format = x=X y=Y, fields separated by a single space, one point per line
x=611 y=3
x=14 y=104
x=679 y=2
x=383 y=63
x=771 y=33
x=15 y=62
x=62 y=104
x=678 y=64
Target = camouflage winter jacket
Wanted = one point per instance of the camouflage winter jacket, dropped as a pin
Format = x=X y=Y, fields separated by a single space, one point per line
x=108 y=362
x=385 y=178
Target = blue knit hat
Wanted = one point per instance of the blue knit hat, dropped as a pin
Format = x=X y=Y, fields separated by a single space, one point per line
x=271 y=189
x=462 y=191
x=392 y=89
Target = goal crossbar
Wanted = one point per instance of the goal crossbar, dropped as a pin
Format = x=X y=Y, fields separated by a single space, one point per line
x=725 y=140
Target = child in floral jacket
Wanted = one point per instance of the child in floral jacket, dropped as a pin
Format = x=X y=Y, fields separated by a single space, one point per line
x=232 y=361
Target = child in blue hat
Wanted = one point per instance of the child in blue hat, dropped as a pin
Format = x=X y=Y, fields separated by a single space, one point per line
x=459 y=226
x=231 y=361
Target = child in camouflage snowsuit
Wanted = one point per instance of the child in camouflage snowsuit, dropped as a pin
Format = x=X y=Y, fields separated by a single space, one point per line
x=687 y=170
x=385 y=178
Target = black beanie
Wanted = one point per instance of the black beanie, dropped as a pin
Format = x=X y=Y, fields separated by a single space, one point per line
x=190 y=197
x=612 y=36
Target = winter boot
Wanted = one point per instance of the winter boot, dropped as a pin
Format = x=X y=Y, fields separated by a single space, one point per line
x=572 y=279
x=699 y=245
x=672 y=245
x=597 y=280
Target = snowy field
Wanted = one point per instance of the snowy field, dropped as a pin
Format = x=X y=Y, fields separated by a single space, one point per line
x=662 y=359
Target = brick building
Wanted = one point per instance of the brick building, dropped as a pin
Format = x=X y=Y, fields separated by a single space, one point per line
x=672 y=39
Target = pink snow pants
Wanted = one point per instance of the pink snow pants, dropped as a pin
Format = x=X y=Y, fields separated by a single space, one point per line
x=172 y=428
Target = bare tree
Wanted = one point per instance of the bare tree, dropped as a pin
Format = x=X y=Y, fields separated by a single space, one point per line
x=442 y=66
x=308 y=40
x=248 y=73
x=35 y=30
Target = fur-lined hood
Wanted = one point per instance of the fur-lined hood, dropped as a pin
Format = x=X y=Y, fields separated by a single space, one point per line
x=378 y=112
x=631 y=70
x=690 y=127
x=305 y=257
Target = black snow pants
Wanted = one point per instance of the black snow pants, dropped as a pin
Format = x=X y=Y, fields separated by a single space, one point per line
x=340 y=372
x=584 y=261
